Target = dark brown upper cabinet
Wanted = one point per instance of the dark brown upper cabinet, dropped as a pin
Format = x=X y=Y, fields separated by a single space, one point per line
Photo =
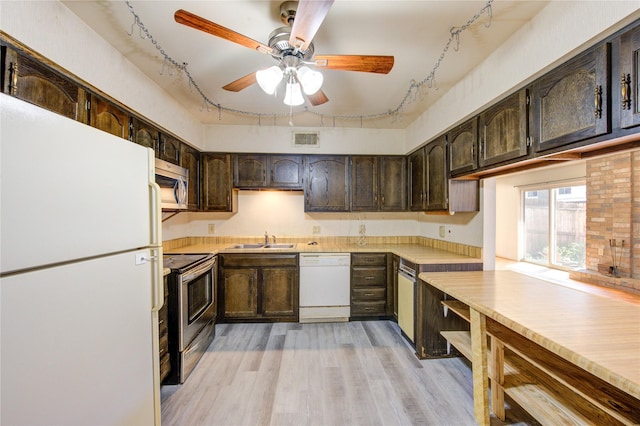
x=169 y=148
x=463 y=141
x=428 y=177
x=256 y=171
x=105 y=116
x=504 y=130
x=629 y=78
x=436 y=175
x=571 y=103
x=31 y=81
x=364 y=183
x=285 y=171
x=326 y=185
x=416 y=185
x=250 y=171
x=217 y=183
x=146 y=135
x=378 y=183
x=190 y=160
x=393 y=183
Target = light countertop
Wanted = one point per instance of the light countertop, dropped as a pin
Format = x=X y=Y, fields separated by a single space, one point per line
x=415 y=253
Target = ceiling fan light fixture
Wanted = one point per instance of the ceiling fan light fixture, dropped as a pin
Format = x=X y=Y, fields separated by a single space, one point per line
x=293 y=94
x=268 y=79
x=311 y=80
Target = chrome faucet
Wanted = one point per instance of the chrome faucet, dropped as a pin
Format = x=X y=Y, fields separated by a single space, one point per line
x=273 y=238
x=266 y=238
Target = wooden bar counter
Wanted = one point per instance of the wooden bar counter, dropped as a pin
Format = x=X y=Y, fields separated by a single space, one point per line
x=565 y=355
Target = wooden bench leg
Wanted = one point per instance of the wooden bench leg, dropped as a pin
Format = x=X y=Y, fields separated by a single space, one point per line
x=479 y=367
x=497 y=378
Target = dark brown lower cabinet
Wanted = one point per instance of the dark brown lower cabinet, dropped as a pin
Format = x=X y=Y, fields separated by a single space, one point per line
x=163 y=332
x=368 y=285
x=431 y=317
x=258 y=287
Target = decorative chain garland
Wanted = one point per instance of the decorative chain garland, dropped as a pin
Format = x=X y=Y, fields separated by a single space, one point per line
x=416 y=88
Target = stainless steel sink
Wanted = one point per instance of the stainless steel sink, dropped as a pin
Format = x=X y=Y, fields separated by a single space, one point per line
x=246 y=246
x=280 y=246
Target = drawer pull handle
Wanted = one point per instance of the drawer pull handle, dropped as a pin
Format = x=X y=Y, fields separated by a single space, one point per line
x=368 y=308
x=369 y=278
x=368 y=294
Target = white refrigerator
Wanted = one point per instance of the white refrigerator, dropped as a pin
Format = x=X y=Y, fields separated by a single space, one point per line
x=80 y=273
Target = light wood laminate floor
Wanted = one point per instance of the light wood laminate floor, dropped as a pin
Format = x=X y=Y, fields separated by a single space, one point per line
x=355 y=373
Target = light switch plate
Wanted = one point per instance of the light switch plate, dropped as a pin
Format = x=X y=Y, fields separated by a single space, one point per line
x=441 y=231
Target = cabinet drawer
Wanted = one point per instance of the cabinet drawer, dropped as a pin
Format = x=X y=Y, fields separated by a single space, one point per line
x=368 y=308
x=164 y=345
x=367 y=259
x=165 y=366
x=369 y=294
x=369 y=276
x=259 y=260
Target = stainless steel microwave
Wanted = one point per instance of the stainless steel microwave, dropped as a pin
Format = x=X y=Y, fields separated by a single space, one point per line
x=174 y=185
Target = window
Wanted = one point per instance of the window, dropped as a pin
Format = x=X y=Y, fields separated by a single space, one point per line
x=554 y=226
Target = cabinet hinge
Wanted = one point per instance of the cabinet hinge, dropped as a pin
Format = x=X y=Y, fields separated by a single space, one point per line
x=528 y=100
x=87 y=105
x=529 y=141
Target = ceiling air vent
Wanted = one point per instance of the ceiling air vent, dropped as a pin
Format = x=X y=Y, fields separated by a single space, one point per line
x=307 y=139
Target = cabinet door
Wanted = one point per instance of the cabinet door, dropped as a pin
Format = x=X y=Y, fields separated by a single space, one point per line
x=146 y=135
x=503 y=130
x=31 y=81
x=250 y=171
x=393 y=183
x=240 y=292
x=279 y=293
x=416 y=185
x=571 y=103
x=462 y=147
x=190 y=160
x=437 y=188
x=169 y=148
x=217 y=182
x=629 y=79
x=364 y=183
x=106 y=116
x=326 y=187
x=285 y=171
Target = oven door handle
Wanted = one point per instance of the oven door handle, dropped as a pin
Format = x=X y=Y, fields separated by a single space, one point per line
x=197 y=271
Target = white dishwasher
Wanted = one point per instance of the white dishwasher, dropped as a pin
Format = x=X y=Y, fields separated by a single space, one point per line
x=325 y=287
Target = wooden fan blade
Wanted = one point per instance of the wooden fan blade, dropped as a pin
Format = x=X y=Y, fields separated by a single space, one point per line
x=194 y=21
x=364 y=63
x=317 y=98
x=309 y=17
x=241 y=83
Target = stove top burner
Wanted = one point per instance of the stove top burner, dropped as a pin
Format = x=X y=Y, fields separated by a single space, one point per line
x=181 y=261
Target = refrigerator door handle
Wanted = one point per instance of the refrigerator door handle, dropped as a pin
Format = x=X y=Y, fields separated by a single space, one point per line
x=157 y=284
x=155 y=213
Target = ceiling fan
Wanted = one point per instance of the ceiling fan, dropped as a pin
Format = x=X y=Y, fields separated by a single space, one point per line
x=292 y=46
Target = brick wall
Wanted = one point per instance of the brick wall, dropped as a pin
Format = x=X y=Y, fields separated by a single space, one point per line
x=613 y=212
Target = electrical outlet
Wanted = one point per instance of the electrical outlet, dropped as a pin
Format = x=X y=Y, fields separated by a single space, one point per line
x=363 y=229
x=212 y=228
x=441 y=231
x=316 y=229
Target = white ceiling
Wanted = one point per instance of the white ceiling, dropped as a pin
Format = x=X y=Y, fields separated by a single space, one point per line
x=415 y=32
